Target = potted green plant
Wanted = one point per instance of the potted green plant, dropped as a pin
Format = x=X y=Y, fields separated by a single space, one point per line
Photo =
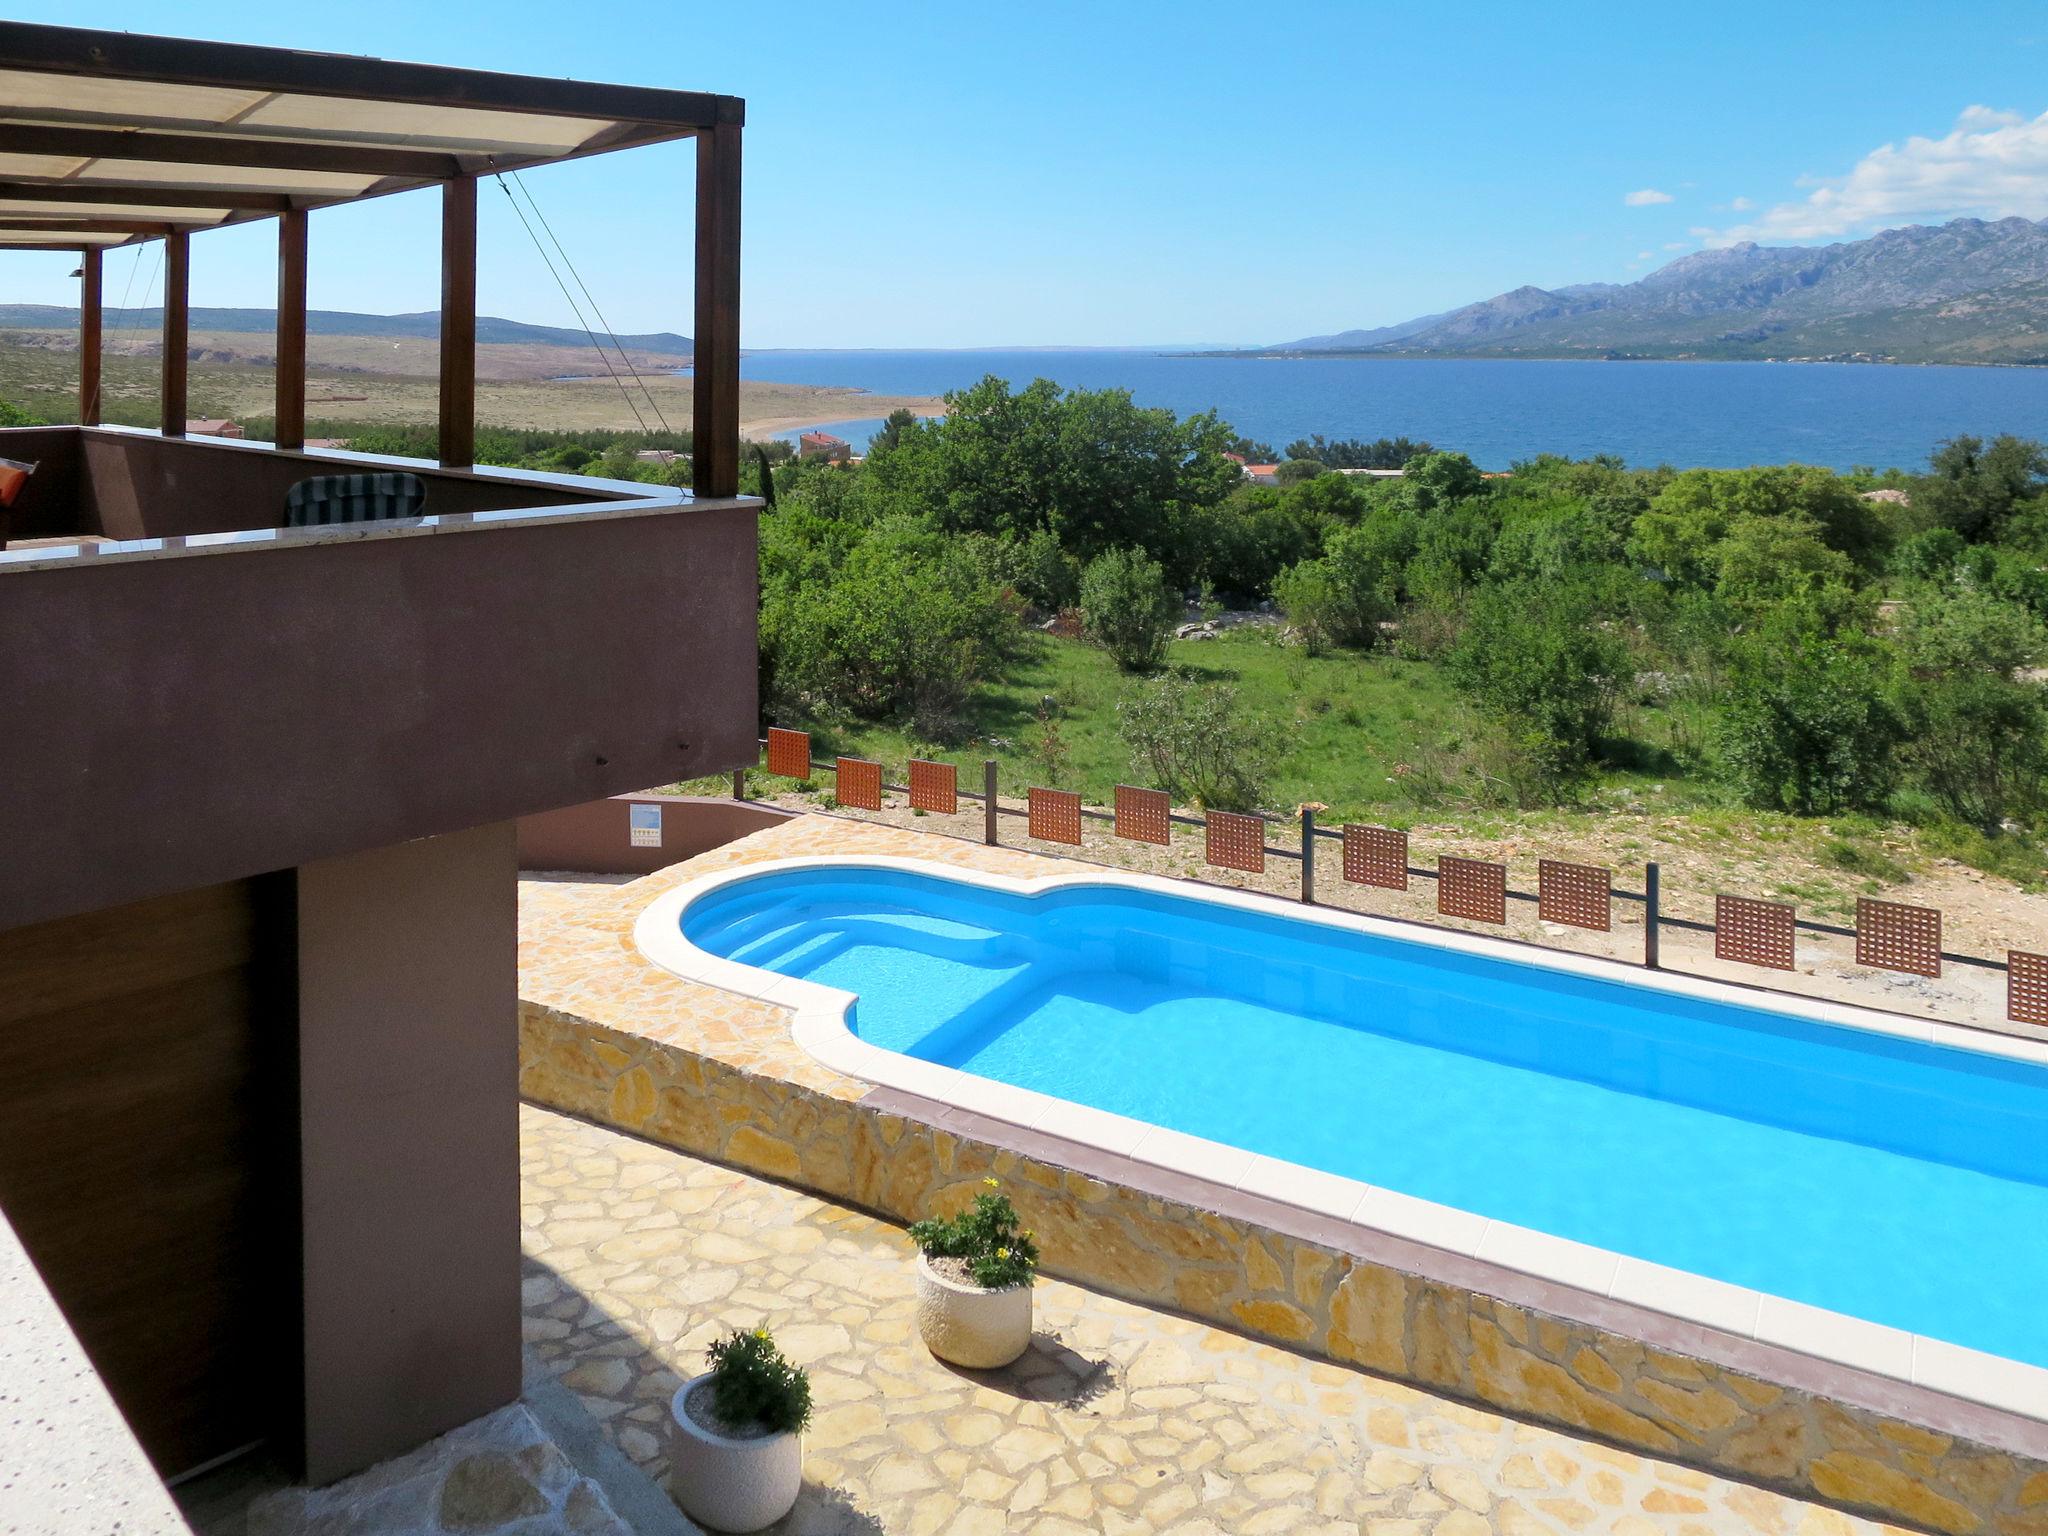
x=974 y=1274
x=736 y=1457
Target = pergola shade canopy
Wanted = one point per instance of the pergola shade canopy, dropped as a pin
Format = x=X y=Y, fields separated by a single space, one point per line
x=107 y=138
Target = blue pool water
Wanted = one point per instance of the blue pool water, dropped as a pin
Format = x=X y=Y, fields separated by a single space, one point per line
x=1891 y=1180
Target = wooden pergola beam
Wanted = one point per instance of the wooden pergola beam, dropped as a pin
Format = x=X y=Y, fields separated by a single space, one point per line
x=20 y=223
x=242 y=150
x=458 y=323
x=89 y=341
x=190 y=61
x=715 y=359
x=55 y=190
x=177 y=331
x=291 y=330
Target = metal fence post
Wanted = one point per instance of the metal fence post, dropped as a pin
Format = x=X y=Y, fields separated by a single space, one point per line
x=739 y=783
x=988 y=801
x=1308 y=855
x=1650 y=915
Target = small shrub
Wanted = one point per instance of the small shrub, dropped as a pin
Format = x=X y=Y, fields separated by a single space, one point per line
x=751 y=1383
x=1128 y=609
x=1810 y=729
x=987 y=1237
x=1197 y=743
x=1862 y=859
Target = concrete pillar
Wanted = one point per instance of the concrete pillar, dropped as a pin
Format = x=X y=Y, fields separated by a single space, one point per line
x=409 y=1143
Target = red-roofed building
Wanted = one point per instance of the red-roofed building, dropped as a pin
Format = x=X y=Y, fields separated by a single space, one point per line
x=823 y=445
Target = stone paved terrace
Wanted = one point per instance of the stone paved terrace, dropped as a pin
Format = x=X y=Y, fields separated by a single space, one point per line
x=1120 y=1419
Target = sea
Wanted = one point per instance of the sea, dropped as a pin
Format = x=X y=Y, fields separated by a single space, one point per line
x=1688 y=415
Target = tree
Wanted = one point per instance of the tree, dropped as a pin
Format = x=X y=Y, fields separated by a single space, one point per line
x=1197 y=743
x=1096 y=469
x=1351 y=453
x=1975 y=487
x=1295 y=471
x=1127 y=608
x=894 y=425
x=1682 y=533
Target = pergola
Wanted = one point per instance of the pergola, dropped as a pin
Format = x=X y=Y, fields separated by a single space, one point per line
x=108 y=138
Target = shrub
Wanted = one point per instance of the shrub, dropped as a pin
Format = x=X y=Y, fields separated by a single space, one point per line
x=1978 y=745
x=1197 y=743
x=1531 y=657
x=996 y=1249
x=1127 y=608
x=904 y=627
x=1342 y=598
x=1294 y=471
x=751 y=1383
x=1809 y=727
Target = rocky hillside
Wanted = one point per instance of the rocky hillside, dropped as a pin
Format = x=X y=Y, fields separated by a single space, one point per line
x=1968 y=291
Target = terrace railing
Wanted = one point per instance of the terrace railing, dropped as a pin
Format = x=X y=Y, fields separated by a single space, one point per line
x=1889 y=935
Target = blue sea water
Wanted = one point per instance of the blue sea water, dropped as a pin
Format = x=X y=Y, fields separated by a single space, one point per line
x=1887 y=1179
x=1719 y=415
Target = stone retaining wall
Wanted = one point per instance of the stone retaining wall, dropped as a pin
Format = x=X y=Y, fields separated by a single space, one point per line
x=1315 y=1296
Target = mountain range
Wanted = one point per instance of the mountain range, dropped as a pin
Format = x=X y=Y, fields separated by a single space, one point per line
x=425 y=325
x=1969 y=291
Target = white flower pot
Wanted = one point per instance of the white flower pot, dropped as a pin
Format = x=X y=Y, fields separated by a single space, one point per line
x=968 y=1325
x=729 y=1482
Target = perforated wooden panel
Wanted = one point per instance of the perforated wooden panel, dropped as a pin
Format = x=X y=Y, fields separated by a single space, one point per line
x=1142 y=814
x=789 y=752
x=860 y=784
x=934 y=786
x=1754 y=932
x=1895 y=937
x=1055 y=815
x=1472 y=888
x=1376 y=856
x=1581 y=895
x=1236 y=841
x=2026 y=987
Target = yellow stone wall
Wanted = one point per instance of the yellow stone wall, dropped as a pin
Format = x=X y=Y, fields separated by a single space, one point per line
x=1291 y=1292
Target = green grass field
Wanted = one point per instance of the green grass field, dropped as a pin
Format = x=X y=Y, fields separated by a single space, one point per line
x=1370 y=736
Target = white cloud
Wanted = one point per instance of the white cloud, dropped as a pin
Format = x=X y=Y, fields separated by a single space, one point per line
x=1676 y=245
x=1646 y=198
x=1740 y=204
x=1642 y=255
x=1992 y=164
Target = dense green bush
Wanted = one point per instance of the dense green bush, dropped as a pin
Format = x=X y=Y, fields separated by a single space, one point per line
x=903 y=626
x=1344 y=597
x=1197 y=743
x=1810 y=725
x=1534 y=658
x=1127 y=608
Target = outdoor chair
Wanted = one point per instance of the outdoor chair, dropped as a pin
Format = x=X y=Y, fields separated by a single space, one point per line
x=326 y=500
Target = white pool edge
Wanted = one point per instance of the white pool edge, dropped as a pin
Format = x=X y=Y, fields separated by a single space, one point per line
x=819 y=1025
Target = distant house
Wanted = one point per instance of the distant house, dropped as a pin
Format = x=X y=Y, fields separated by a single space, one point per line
x=326 y=442
x=662 y=456
x=1262 y=474
x=823 y=445
x=1235 y=458
x=1891 y=495
x=1375 y=474
x=207 y=426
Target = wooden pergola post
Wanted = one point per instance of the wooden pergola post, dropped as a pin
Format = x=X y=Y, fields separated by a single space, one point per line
x=89 y=339
x=291 y=329
x=715 y=363
x=177 y=294
x=458 y=322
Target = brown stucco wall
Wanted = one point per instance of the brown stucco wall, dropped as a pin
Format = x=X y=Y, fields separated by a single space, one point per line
x=596 y=838
x=183 y=721
x=409 y=1143
x=48 y=504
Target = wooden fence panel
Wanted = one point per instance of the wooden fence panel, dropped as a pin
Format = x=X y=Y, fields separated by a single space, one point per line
x=859 y=784
x=1376 y=856
x=934 y=787
x=1577 y=895
x=1055 y=815
x=1893 y=936
x=1755 y=932
x=789 y=752
x=1474 y=889
x=1236 y=841
x=1144 y=815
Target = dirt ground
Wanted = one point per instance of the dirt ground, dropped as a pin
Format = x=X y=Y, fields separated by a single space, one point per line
x=1982 y=915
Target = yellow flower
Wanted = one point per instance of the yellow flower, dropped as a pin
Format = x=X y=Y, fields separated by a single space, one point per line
x=1002 y=1253
x=761 y=1334
x=992 y=1183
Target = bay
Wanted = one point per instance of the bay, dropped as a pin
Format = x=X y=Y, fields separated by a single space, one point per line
x=1710 y=414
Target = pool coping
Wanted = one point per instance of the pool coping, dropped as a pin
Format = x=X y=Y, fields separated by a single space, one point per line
x=1786 y=1340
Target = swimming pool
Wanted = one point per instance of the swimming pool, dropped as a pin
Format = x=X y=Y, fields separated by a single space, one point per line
x=1441 y=1086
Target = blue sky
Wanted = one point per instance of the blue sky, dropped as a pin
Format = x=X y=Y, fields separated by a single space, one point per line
x=1152 y=173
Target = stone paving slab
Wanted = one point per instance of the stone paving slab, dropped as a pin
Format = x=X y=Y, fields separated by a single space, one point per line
x=1120 y=1419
